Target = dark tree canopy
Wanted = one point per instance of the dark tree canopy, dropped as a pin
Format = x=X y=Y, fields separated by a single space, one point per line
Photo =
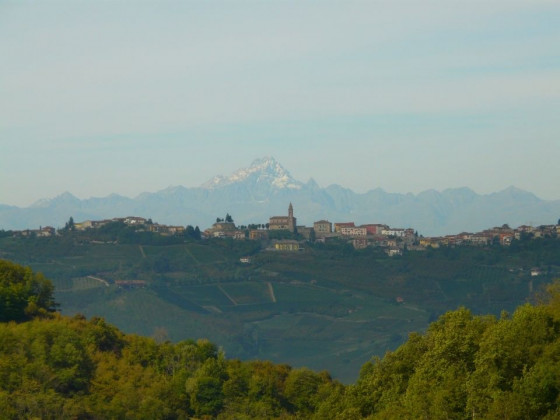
x=70 y=224
x=23 y=294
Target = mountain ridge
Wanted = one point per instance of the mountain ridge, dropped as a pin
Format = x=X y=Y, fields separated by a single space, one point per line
x=253 y=194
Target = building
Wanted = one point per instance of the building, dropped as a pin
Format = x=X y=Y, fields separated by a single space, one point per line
x=257 y=234
x=432 y=242
x=304 y=231
x=133 y=220
x=535 y=272
x=239 y=234
x=338 y=226
x=480 y=240
x=173 y=230
x=221 y=230
x=322 y=228
x=398 y=233
x=506 y=239
x=46 y=231
x=284 y=222
x=391 y=252
x=375 y=229
x=224 y=226
x=292 y=246
x=353 y=231
x=359 y=243
x=83 y=225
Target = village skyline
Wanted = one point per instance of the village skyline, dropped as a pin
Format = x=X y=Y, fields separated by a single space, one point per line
x=394 y=240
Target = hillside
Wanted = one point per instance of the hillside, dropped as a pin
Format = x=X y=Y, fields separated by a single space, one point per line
x=326 y=307
x=464 y=366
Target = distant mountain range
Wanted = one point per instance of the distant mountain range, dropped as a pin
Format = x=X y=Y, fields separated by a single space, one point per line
x=253 y=194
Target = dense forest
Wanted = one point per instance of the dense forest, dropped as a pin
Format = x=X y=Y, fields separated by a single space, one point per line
x=463 y=366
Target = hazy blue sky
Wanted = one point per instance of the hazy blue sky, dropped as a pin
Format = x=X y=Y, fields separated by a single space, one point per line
x=113 y=96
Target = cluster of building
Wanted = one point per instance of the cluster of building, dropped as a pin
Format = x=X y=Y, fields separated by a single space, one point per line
x=361 y=236
x=134 y=221
x=140 y=222
x=503 y=235
x=42 y=232
x=392 y=240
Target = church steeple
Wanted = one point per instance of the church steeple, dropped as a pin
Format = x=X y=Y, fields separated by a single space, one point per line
x=291 y=219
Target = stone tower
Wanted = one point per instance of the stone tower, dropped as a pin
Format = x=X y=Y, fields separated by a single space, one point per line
x=291 y=219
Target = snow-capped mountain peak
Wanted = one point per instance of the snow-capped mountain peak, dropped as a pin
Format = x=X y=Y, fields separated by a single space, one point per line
x=64 y=198
x=266 y=170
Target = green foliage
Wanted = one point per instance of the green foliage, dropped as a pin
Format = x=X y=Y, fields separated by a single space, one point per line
x=62 y=368
x=301 y=390
x=192 y=232
x=104 y=337
x=324 y=294
x=468 y=366
x=71 y=368
x=6 y=233
x=464 y=366
x=326 y=287
x=69 y=226
x=23 y=294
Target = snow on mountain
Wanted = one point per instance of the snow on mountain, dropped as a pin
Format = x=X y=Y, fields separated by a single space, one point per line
x=266 y=171
x=265 y=188
x=62 y=199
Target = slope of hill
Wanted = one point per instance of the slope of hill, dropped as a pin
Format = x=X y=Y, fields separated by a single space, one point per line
x=327 y=307
x=463 y=366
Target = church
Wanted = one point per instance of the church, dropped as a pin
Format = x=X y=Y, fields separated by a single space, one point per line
x=284 y=222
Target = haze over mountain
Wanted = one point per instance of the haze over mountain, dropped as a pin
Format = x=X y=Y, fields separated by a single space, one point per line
x=253 y=194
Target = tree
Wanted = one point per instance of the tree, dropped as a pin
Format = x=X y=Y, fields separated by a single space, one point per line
x=197 y=233
x=70 y=224
x=300 y=388
x=206 y=395
x=229 y=219
x=23 y=294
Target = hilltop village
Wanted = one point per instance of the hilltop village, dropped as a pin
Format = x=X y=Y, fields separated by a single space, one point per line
x=393 y=240
x=282 y=233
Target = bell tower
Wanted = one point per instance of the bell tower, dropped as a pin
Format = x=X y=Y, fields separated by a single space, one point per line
x=291 y=219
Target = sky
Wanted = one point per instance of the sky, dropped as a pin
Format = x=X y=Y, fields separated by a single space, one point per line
x=101 y=97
